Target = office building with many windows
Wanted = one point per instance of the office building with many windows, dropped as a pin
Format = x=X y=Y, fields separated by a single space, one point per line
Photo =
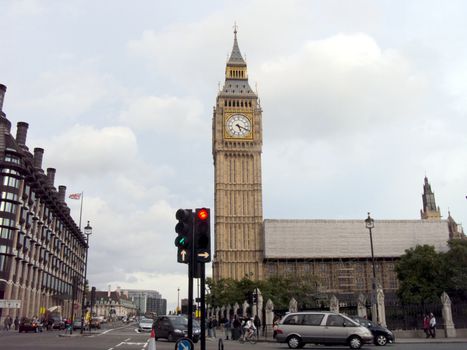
x=42 y=250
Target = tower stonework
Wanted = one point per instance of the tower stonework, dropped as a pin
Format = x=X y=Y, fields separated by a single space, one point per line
x=430 y=211
x=237 y=146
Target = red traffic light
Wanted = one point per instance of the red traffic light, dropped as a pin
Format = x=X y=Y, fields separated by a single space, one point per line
x=203 y=214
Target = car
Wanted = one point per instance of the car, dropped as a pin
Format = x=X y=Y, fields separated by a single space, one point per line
x=145 y=324
x=173 y=327
x=95 y=323
x=381 y=334
x=321 y=327
x=77 y=324
x=27 y=325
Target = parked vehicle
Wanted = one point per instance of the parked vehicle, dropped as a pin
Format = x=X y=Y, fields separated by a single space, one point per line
x=172 y=328
x=381 y=334
x=77 y=324
x=28 y=325
x=328 y=328
x=57 y=323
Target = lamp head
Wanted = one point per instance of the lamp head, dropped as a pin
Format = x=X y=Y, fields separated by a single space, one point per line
x=369 y=222
x=88 y=229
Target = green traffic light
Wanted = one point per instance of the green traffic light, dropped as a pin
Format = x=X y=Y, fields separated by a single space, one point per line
x=181 y=242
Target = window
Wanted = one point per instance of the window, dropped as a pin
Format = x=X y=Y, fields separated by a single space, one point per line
x=293 y=319
x=312 y=319
x=335 y=321
x=11 y=181
x=10 y=196
x=2 y=263
x=5 y=233
x=11 y=159
x=8 y=207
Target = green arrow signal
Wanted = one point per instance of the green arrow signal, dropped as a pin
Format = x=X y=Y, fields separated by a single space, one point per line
x=181 y=242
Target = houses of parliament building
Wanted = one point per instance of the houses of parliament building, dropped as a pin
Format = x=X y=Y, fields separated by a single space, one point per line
x=337 y=252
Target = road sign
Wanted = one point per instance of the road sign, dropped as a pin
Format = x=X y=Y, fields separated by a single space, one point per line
x=10 y=304
x=184 y=344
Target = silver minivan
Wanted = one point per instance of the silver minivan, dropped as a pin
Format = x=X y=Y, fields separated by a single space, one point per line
x=321 y=327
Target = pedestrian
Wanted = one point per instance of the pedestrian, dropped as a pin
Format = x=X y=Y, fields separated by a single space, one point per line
x=227 y=325
x=236 y=328
x=426 y=325
x=210 y=327
x=432 y=325
x=275 y=324
x=214 y=326
x=257 y=322
x=16 y=323
x=7 y=323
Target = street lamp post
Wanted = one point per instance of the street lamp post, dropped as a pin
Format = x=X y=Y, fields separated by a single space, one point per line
x=87 y=232
x=178 y=301
x=369 y=224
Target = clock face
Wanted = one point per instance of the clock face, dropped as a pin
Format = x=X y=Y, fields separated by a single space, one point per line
x=238 y=125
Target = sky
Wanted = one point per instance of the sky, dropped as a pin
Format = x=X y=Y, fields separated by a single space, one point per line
x=361 y=100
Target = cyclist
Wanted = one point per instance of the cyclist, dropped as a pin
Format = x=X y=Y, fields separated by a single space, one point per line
x=249 y=329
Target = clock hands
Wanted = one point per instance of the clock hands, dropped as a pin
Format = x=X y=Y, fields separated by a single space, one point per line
x=241 y=127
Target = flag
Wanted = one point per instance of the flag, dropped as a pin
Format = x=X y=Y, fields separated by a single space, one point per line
x=75 y=196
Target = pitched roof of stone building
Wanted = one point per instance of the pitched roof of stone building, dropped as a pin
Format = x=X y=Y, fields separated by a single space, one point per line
x=308 y=239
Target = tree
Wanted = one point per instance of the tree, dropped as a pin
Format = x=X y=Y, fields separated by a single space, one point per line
x=455 y=268
x=420 y=273
x=279 y=289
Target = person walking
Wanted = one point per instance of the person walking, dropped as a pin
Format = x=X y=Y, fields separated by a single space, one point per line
x=236 y=328
x=7 y=323
x=257 y=322
x=210 y=327
x=16 y=323
x=214 y=326
x=227 y=325
x=426 y=325
x=432 y=325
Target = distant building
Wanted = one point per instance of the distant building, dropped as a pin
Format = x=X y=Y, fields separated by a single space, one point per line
x=147 y=301
x=42 y=250
x=114 y=304
x=157 y=306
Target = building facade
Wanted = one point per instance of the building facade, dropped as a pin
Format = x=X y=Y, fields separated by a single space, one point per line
x=147 y=301
x=237 y=147
x=42 y=250
x=336 y=252
x=114 y=304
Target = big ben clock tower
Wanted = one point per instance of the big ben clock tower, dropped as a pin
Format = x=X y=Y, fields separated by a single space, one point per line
x=237 y=144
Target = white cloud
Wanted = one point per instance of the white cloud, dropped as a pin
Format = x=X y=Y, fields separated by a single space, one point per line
x=165 y=115
x=341 y=84
x=89 y=151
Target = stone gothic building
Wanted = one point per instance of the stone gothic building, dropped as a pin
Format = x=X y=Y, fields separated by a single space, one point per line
x=336 y=251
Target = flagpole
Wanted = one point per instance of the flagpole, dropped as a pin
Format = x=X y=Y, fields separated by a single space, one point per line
x=81 y=209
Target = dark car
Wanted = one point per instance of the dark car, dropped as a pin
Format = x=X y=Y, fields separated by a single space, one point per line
x=28 y=325
x=381 y=334
x=173 y=327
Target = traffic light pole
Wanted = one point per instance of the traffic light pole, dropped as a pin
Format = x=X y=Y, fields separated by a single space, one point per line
x=203 y=307
x=190 y=298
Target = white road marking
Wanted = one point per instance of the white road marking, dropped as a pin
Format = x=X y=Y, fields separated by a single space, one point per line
x=110 y=330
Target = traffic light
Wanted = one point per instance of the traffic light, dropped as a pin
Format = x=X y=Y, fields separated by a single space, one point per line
x=202 y=235
x=184 y=229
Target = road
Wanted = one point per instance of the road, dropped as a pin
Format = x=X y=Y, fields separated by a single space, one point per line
x=125 y=337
